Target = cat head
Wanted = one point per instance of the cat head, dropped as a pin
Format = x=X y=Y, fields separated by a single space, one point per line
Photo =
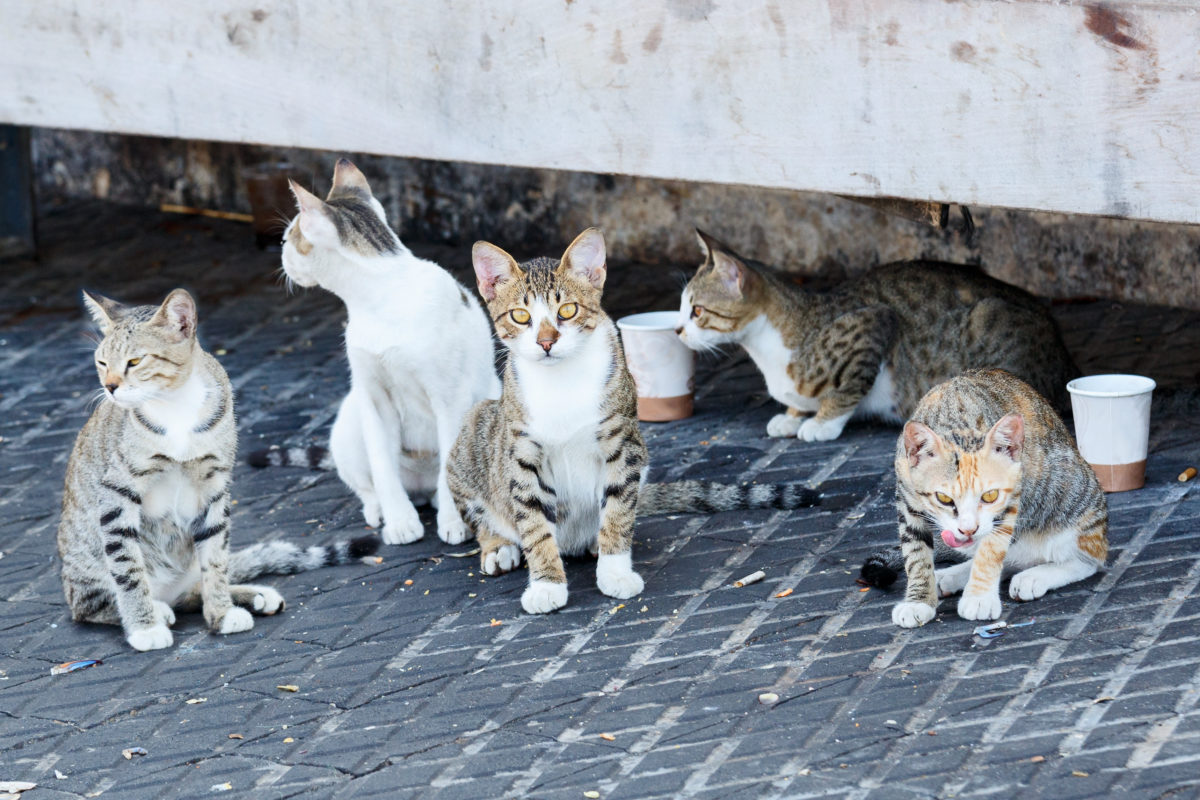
x=719 y=300
x=543 y=309
x=965 y=490
x=331 y=236
x=146 y=350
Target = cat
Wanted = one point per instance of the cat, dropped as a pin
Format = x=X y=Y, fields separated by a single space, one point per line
x=420 y=353
x=987 y=472
x=145 y=512
x=557 y=465
x=874 y=345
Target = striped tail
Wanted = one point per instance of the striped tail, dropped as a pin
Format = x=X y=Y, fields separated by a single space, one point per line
x=314 y=457
x=881 y=569
x=285 y=558
x=703 y=497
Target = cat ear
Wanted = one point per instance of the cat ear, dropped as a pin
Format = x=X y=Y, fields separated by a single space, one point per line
x=315 y=223
x=346 y=176
x=1007 y=436
x=920 y=443
x=103 y=310
x=586 y=256
x=178 y=315
x=492 y=266
x=726 y=264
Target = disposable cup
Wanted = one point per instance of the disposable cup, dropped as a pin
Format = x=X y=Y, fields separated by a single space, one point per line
x=662 y=366
x=1112 y=427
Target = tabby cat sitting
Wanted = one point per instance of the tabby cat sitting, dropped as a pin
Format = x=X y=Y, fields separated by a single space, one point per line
x=873 y=346
x=145 y=511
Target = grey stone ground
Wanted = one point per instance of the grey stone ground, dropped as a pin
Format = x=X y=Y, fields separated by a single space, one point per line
x=443 y=688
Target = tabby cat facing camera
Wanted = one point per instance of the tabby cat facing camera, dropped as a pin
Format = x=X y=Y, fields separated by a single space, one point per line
x=556 y=465
x=145 y=511
x=873 y=346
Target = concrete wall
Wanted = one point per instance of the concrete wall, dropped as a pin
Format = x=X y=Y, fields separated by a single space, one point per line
x=531 y=211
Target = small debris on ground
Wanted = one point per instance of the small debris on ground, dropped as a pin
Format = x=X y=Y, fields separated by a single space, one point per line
x=15 y=787
x=60 y=775
x=221 y=787
x=467 y=554
x=191 y=701
x=288 y=740
x=288 y=687
x=1187 y=474
x=1105 y=699
x=408 y=582
x=768 y=698
x=1038 y=759
x=71 y=666
x=496 y=622
x=1079 y=773
x=753 y=577
x=608 y=737
x=236 y=736
x=784 y=593
x=616 y=608
x=591 y=795
x=998 y=628
x=130 y=752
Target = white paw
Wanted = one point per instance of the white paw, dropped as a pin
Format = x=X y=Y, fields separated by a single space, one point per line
x=166 y=614
x=403 y=527
x=155 y=638
x=1028 y=585
x=542 y=597
x=505 y=559
x=951 y=581
x=237 y=620
x=267 y=601
x=912 y=615
x=372 y=513
x=782 y=425
x=975 y=606
x=814 y=430
x=450 y=527
x=615 y=576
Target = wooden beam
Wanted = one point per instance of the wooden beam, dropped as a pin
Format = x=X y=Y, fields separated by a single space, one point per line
x=1063 y=106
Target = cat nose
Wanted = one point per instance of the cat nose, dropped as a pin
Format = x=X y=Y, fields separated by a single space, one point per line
x=546 y=344
x=112 y=387
x=967 y=531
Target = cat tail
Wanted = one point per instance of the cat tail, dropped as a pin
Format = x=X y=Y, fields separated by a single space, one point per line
x=703 y=497
x=285 y=558
x=881 y=569
x=314 y=457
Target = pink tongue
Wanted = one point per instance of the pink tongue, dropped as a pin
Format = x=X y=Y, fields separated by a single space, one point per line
x=951 y=539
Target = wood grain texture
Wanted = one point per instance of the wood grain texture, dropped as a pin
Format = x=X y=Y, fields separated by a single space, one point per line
x=1056 y=106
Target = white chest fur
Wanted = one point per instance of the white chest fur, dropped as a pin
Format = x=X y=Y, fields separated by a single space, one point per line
x=765 y=346
x=172 y=496
x=178 y=414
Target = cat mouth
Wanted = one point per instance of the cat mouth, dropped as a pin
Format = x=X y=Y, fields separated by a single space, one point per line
x=955 y=539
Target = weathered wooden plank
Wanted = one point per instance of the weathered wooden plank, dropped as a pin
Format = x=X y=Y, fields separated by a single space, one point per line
x=1048 y=105
x=16 y=193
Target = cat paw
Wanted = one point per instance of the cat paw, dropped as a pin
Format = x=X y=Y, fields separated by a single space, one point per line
x=814 y=430
x=155 y=638
x=986 y=606
x=951 y=581
x=503 y=559
x=403 y=527
x=1029 y=585
x=166 y=614
x=372 y=514
x=912 y=615
x=615 y=576
x=783 y=425
x=236 y=620
x=451 y=529
x=267 y=602
x=542 y=597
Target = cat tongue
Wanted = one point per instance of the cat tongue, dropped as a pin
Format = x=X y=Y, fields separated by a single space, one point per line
x=951 y=539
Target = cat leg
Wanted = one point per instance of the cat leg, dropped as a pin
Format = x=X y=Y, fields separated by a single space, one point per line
x=533 y=505
x=90 y=602
x=624 y=469
x=1080 y=554
x=381 y=434
x=349 y=453
x=981 y=596
x=951 y=580
x=497 y=555
x=210 y=535
x=920 y=595
x=261 y=600
x=858 y=343
x=450 y=526
x=785 y=424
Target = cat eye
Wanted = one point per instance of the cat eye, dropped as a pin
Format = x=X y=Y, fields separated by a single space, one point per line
x=519 y=316
x=945 y=499
x=133 y=362
x=100 y=363
x=697 y=311
x=990 y=495
x=567 y=310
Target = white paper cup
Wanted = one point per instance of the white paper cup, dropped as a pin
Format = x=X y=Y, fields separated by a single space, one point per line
x=662 y=366
x=1112 y=427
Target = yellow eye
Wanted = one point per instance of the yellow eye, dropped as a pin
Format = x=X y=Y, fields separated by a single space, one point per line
x=697 y=311
x=133 y=362
x=519 y=316
x=990 y=495
x=567 y=310
x=945 y=499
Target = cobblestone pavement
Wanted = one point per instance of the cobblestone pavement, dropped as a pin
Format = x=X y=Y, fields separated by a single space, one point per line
x=419 y=678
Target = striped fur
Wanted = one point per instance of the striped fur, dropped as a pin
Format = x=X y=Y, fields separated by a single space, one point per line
x=145 y=514
x=874 y=345
x=984 y=432
x=313 y=457
x=708 y=498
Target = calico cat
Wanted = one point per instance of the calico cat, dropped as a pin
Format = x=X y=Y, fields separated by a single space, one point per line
x=145 y=512
x=556 y=465
x=876 y=344
x=987 y=472
x=420 y=356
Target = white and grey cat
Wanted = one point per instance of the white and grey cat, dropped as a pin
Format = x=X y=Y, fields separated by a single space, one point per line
x=145 y=513
x=420 y=353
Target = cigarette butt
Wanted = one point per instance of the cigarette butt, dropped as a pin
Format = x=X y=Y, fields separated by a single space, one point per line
x=288 y=687
x=378 y=559
x=1187 y=474
x=1038 y=759
x=608 y=737
x=865 y=589
x=236 y=736
x=753 y=577
x=784 y=593
x=496 y=622
x=408 y=582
